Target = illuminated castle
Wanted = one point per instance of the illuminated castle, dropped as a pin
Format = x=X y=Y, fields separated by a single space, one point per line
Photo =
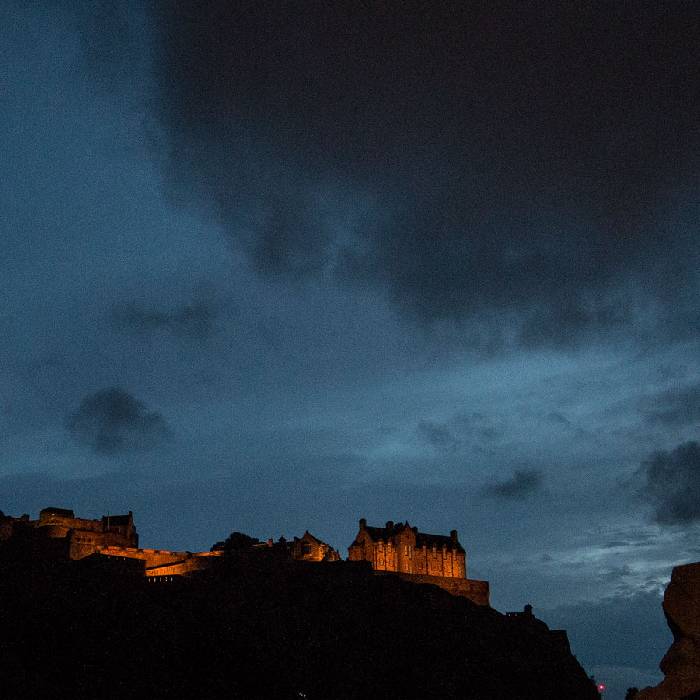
x=58 y=531
x=419 y=557
x=113 y=541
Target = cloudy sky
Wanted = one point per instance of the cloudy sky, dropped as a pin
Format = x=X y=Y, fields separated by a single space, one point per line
x=290 y=264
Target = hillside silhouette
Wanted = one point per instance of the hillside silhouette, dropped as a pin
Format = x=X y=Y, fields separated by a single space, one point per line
x=264 y=628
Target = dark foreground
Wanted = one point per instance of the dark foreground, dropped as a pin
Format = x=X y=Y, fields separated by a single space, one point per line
x=266 y=631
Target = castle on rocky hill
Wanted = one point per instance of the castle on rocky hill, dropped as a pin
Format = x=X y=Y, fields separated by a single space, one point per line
x=113 y=541
x=419 y=557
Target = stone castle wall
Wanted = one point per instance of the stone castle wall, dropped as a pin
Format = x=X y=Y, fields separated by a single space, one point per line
x=195 y=562
x=474 y=590
x=59 y=533
x=406 y=558
x=62 y=522
x=152 y=557
x=84 y=543
x=161 y=562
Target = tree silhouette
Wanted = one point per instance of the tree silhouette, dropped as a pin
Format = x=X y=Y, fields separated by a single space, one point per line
x=237 y=541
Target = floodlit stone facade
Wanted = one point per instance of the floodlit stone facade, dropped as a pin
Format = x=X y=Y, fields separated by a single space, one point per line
x=310 y=548
x=418 y=556
x=111 y=542
x=58 y=531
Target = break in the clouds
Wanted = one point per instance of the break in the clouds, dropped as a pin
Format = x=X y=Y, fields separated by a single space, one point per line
x=522 y=484
x=671 y=483
x=112 y=421
x=530 y=161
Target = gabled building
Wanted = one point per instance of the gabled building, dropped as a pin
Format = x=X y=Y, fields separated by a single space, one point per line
x=310 y=548
x=418 y=556
x=402 y=548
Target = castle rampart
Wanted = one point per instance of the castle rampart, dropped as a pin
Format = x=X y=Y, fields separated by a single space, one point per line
x=73 y=537
x=161 y=562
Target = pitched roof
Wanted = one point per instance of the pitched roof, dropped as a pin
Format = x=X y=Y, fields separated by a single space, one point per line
x=377 y=533
x=384 y=534
x=308 y=536
x=423 y=539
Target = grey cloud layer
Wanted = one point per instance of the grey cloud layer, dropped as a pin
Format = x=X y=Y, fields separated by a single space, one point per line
x=674 y=407
x=229 y=237
x=671 y=483
x=467 y=161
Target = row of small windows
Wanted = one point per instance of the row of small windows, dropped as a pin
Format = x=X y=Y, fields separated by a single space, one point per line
x=408 y=550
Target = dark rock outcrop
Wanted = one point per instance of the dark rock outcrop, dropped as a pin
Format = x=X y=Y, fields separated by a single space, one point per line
x=681 y=664
x=261 y=629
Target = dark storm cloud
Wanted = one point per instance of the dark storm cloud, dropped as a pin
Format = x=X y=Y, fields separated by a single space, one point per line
x=563 y=324
x=676 y=407
x=467 y=158
x=522 y=484
x=195 y=320
x=671 y=483
x=112 y=421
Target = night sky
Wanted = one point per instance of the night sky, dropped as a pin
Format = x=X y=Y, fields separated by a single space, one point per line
x=270 y=266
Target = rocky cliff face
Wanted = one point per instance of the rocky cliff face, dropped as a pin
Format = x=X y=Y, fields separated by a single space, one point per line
x=681 y=664
x=252 y=630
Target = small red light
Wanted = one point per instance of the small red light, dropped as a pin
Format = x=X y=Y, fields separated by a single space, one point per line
x=601 y=687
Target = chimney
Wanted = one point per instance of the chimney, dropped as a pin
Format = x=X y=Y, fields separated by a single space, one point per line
x=453 y=536
x=389 y=525
x=363 y=523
